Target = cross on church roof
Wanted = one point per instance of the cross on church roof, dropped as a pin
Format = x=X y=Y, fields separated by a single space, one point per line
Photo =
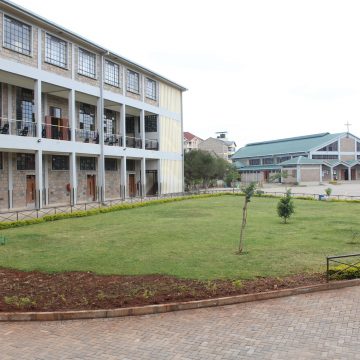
x=347 y=125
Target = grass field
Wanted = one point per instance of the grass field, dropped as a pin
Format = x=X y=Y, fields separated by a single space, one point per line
x=192 y=239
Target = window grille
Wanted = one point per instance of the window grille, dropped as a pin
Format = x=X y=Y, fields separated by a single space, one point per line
x=150 y=89
x=110 y=164
x=17 y=36
x=87 y=63
x=111 y=73
x=150 y=123
x=87 y=163
x=60 y=162
x=87 y=117
x=109 y=122
x=55 y=51
x=132 y=81
x=25 y=161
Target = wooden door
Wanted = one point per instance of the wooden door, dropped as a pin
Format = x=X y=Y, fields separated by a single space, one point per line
x=30 y=189
x=47 y=132
x=65 y=131
x=353 y=174
x=132 y=185
x=91 y=187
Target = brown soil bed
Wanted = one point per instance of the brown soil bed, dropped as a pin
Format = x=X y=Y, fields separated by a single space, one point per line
x=35 y=291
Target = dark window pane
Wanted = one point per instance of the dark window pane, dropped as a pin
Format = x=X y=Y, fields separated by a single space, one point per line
x=111 y=73
x=60 y=162
x=25 y=161
x=87 y=63
x=110 y=164
x=87 y=163
x=132 y=81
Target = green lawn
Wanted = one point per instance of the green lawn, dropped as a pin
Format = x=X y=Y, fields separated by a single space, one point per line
x=192 y=239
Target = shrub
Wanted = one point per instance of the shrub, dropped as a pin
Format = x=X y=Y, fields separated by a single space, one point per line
x=344 y=272
x=328 y=191
x=285 y=206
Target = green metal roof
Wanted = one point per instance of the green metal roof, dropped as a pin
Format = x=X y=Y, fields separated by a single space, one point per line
x=298 y=144
x=257 y=167
x=301 y=160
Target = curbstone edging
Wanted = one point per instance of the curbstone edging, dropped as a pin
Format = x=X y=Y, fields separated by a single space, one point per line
x=162 y=308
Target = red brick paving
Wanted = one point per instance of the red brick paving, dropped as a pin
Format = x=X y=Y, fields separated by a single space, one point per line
x=323 y=325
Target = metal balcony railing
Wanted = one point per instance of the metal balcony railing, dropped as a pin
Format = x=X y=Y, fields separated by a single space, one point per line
x=17 y=127
x=113 y=140
x=56 y=132
x=151 y=144
x=87 y=136
x=133 y=142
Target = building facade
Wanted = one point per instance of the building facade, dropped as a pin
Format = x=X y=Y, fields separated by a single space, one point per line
x=79 y=123
x=219 y=146
x=191 y=141
x=305 y=159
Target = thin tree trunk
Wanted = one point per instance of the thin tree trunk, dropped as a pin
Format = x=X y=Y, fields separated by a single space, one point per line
x=241 y=243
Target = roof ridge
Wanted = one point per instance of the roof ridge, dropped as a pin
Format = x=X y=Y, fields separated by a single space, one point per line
x=289 y=139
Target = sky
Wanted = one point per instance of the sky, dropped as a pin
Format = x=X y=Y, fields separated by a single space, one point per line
x=259 y=69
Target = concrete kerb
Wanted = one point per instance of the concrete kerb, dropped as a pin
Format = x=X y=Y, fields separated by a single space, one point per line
x=162 y=308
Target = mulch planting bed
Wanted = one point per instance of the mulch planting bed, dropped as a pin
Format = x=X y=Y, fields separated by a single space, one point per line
x=36 y=291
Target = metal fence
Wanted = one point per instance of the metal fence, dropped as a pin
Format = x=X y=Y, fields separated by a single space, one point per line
x=343 y=265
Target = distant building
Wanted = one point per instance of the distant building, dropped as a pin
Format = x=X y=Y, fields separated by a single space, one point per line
x=191 y=141
x=220 y=146
x=312 y=158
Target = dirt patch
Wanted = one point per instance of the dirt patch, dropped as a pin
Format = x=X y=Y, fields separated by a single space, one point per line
x=35 y=291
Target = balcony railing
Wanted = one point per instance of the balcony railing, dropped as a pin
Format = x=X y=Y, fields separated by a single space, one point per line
x=56 y=132
x=151 y=144
x=17 y=127
x=87 y=136
x=133 y=142
x=113 y=140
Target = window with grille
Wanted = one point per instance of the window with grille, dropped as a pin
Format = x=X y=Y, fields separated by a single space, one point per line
x=110 y=164
x=282 y=159
x=87 y=117
x=130 y=165
x=24 y=108
x=25 y=161
x=132 y=84
x=109 y=122
x=17 y=36
x=87 y=163
x=150 y=123
x=325 y=157
x=254 y=162
x=87 y=63
x=268 y=161
x=330 y=147
x=55 y=51
x=130 y=124
x=150 y=89
x=111 y=73
x=358 y=146
x=60 y=162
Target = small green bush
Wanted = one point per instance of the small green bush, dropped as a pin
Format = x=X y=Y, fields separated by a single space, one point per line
x=344 y=272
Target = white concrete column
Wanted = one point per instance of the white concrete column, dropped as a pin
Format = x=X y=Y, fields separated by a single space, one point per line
x=159 y=176
x=349 y=170
x=321 y=173
x=39 y=179
x=332 y=174
x=101 y=160
x=37 y=101
x=11 y=117
x=73 y=178
x=143 y=177
x=10 y=179
x=72 y=116
x=123 y=124
x=123 y=177
x=142 y=127
x=46 y=178
x=298 y=173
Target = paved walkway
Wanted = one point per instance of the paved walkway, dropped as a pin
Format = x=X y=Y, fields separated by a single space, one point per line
x=324 y=325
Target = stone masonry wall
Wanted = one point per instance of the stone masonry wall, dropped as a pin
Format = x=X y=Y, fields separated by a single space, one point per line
x=57 y=181
x=347 y=144
x=112 y=184
x=19 y=184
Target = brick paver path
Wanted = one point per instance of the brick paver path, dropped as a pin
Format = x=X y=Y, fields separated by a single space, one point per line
x=324 y=325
